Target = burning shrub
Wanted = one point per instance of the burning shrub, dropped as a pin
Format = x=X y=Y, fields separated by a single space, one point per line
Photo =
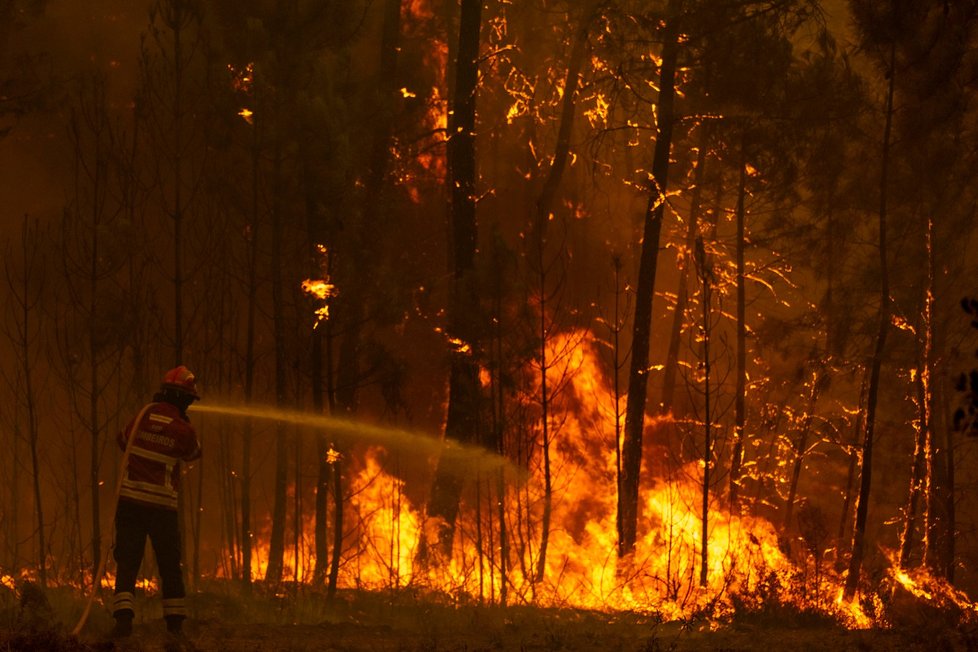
x=922 y=603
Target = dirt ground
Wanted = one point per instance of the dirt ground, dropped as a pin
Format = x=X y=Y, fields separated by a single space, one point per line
x=411 y=623
x=351 y=637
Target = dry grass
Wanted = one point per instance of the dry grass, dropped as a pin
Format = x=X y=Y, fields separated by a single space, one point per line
x=223 y=618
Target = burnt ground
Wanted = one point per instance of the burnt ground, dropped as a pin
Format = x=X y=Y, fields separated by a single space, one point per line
x=411 y=623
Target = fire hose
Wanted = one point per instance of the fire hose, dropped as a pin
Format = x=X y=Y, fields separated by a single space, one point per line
x=97 y=579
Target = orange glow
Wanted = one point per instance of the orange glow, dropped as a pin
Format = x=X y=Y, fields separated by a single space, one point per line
x=581 y=569
x=746 y=557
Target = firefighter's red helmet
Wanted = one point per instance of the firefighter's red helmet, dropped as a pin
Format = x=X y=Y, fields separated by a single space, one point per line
x=181 y=379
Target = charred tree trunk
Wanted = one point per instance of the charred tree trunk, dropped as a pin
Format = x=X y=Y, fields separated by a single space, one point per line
x=638 y=374
x=922 y=469
x=917 y=469
x=462 y=424
x=866 y=468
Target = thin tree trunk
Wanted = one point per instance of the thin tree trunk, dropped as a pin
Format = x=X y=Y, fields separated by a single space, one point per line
x=845 y=519
x=616 y=382
x=740 y=411
x=921 y=472
x=706 y=274
x=544 y=212
x=866 y=468
x=276 y=543
x=682 y=293
x=462 y=423
x=297 y=509
x=334 y=565
x=498 y=417
x=950 y=493
x=917 y=469
x=638 y=374
x=197 y=517
x=801 y=446
x=24 y=304
x=320 y=544
x=249 y=384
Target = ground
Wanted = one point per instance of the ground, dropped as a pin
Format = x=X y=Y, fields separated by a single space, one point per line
x=411 y=623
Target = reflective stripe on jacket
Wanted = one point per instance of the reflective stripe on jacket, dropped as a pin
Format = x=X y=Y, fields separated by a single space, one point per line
x=163 y=440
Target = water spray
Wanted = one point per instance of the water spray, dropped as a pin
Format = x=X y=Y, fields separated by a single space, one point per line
x=471 y=457
x=348 y=431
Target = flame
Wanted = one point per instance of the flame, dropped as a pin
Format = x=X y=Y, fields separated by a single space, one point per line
x=581 y=568
x=746 y=562
x=333 y=456
x=597 y=116
x=322 y=289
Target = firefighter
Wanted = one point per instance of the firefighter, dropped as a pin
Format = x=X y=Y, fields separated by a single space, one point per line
x=148 y=499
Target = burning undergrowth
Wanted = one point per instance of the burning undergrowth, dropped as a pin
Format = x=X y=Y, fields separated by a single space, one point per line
x=508 y=567
x=507 y=552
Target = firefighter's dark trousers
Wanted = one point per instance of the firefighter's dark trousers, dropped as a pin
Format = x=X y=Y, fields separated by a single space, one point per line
x=133 y=523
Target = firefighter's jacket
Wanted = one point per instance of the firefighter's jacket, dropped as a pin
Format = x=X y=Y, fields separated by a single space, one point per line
x=163 y=439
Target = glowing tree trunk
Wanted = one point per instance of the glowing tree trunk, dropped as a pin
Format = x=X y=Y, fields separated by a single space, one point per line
x=922 y=481
x=917 y=480
x=462 y=424
x=866 y=467
x=939 y=523
x=638 y=374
